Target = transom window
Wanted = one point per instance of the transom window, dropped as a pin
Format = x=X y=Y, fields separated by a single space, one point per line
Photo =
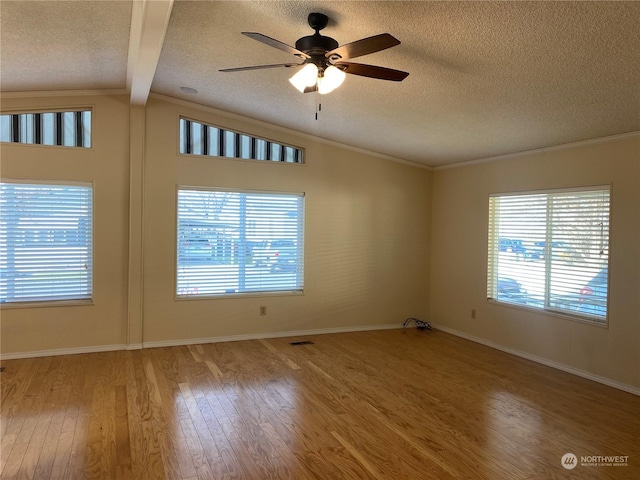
x=231 y=242
x=69 y=129
x=550 y=250
x=200 y=139
x=45 y=241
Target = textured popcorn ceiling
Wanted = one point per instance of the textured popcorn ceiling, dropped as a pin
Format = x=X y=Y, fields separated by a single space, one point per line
x=62 y=45
x=486 y=78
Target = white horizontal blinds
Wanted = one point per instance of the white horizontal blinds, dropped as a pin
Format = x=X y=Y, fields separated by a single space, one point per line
x=45 y=242
x=200 y=139
x=238 y=242
x=550 y=250
x=579 y=250
x=69 y=129
x=518 y=221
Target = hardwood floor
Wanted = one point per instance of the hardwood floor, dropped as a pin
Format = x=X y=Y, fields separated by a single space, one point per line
x=382 y=405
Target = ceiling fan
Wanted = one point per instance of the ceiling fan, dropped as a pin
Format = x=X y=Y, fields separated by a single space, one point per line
x=324 y=66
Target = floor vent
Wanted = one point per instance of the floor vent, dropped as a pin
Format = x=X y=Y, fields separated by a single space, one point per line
x=304 y=342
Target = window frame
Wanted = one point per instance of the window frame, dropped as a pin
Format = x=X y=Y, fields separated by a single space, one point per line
x=87 y=132
x=243 y=294
x=492 y=274
x=269 y=143
x=89 y=300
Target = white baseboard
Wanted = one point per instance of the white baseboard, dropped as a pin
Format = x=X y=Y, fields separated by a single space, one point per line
x=62 y=351
x=534 y=358
x=258 y=336
x=193 y=341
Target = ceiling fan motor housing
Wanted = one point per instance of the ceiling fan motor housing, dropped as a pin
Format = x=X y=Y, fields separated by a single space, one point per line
x=316 y=44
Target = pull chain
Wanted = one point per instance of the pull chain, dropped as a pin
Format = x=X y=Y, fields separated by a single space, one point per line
x=318 y=104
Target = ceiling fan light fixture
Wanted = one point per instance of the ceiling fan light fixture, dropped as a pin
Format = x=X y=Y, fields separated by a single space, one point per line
x=307 y=76
x=332 y=79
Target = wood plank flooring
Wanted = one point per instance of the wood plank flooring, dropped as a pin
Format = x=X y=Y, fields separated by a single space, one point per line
x=370 y=405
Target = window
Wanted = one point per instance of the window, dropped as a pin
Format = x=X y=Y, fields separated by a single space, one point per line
x=232 y=242
x=45 y=242
x=550 y=250
x=199 y=139
x=69 y=129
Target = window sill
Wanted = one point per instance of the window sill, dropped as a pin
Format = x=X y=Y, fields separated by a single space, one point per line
x=287 y=293
x=46 y=304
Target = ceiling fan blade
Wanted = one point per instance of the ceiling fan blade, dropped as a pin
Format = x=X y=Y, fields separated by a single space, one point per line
x=259 y=67
x=312 y=88
x=272 y=42
x=372 y=71
x=364 y=46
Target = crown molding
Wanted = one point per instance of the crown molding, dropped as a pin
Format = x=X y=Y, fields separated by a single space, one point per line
x=540 y=151
x=64 y=93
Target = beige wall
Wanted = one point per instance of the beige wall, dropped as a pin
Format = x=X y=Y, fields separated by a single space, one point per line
x=366 y=234
x=106 y=164
x=366 y=251
x=459 y=258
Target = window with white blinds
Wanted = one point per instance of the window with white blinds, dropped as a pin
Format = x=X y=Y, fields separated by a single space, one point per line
x=200 y=139
x=550 y=250
x=68 y=129
x=45 y=242
x=231 y=242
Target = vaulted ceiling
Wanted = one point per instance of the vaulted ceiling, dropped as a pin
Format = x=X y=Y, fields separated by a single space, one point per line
x=486 y=78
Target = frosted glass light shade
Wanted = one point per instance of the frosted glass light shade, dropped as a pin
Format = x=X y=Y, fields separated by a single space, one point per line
x=332 y=79
x=307 y=76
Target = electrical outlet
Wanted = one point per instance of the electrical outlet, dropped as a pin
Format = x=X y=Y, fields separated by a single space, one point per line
x=473 y=314
x=263 y=310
